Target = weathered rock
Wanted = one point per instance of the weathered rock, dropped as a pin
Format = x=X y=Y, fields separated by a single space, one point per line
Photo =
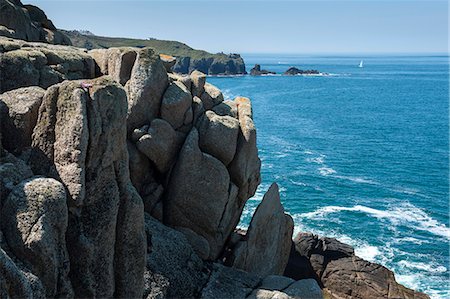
x=340 y=272
x=218 y=136
x=5 y=31
x=185 y=79
x=197 y=109
x=153 y=201
x=245 y=167
x=168 y=61
x=268 y=240
x=219 y=64
x=14 y=283
x=160 y=145
x=23 y=105
x=106 y=214
x=257 y=71
x=116 y=62
x=226 y=282
x=198 y=83
x=145 y=88
x=171 y=256
x=34 y=221
x=140 y=169
x=175 y=103
x=226 y=108
x=12 y=171
x=211 y=97
x=353 y=277
x=200 y=197
x=36 y=64
x=283 y=287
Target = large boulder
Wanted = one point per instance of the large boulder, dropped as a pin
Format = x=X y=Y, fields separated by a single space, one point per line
x=170 y=256
x=145 y=89
x=218 y=136
x=211 y=96
x=175 y=103
x=198 y=80
x=116 y=62
x=23 y=105
x=282 y=287
x=245 y=167
x=266 y=246
x=201 y=198
x=34 y=221
x=161 y=144
x=225 y=282
x=84 y=140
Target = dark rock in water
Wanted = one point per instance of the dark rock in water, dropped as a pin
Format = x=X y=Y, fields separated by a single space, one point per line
x=340 y=272
x=256 y=71
x=296 y=71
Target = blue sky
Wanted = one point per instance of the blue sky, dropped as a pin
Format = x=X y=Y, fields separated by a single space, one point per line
x=266 y=26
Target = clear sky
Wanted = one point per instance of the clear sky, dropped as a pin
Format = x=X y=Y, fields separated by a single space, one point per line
x=266 y=26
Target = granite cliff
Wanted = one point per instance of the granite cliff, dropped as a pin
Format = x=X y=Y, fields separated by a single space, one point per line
x=121 y=179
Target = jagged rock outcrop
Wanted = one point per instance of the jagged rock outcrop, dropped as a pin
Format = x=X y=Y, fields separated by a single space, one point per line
x=145 y=88
x=265 y=247
x=341 y=272
x=85 y=143
x=25 y=64
x=257 y=71
x=30 y=23
x=296 y=71
x=102 y=151
x=168 y=61
x=244 y=169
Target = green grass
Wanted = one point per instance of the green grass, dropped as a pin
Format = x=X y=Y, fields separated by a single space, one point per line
x=173 y=48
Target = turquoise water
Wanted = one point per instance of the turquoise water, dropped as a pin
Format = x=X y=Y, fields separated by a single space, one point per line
x=361 y=155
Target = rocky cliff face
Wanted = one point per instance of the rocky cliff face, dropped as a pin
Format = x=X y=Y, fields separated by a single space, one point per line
x=119 y=179
x=28 y=22
x=232 y=64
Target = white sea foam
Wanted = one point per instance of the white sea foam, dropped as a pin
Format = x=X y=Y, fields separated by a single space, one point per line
x=412 y=240
x=298 y=183
x=429 y=267
x=326 y=171
x=367 y=252
x=405 y=214
x=317 y=160
x=356 y=179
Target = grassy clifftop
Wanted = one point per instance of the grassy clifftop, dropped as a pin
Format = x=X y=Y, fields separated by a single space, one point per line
x=173 y=48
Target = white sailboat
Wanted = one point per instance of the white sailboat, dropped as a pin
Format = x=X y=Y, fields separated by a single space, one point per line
x=361 y=64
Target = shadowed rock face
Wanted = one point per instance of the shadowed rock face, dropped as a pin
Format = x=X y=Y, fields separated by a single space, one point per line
x=29 y=23
x=265 y=248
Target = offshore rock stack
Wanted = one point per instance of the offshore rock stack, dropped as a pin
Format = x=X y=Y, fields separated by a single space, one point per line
x=121 y=179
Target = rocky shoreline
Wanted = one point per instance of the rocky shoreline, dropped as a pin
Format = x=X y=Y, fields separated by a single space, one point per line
x=119 y=178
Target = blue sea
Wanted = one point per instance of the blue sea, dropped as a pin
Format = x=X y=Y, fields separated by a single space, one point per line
x=361 y=155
